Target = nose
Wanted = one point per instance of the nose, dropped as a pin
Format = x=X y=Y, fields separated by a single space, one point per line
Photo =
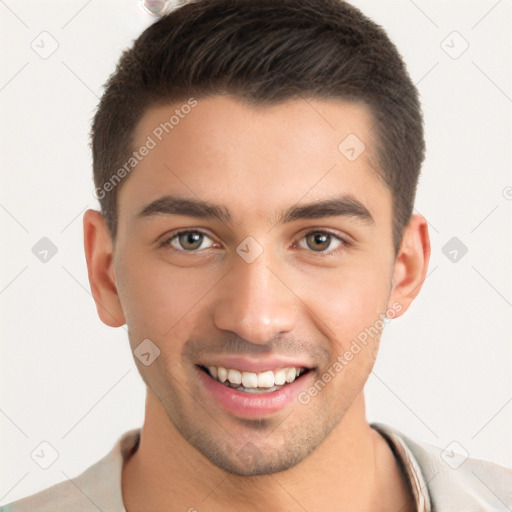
x=256 y=303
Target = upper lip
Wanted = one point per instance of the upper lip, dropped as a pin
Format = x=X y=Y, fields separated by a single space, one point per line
x=245 y=364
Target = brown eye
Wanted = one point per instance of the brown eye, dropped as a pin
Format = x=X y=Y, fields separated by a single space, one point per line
x=322 y=242
x=191 y=240
x=318 y=241
x=187 y=241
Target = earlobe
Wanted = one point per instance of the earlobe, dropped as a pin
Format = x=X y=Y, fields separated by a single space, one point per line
x=411 y=263
x=99 y=256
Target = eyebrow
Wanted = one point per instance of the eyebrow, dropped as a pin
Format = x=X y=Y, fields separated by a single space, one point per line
x=345 y=205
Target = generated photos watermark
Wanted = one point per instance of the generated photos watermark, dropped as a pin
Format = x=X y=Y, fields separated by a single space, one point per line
x=151 y=143
x=357 y=345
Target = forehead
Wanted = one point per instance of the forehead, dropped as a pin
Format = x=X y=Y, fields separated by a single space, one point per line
x=255 y=159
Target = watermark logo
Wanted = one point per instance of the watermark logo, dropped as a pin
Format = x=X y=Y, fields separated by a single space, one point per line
x=44 y=455
x=454 y=455
x=44 y=250
x=146 y=352
x=454 y=249
x=351 y=147
x=249 y=454
x=249 y=250
x=45 y=45
x=454 y=45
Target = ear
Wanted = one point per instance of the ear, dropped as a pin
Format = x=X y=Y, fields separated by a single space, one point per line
x=99 y=256
x=411 y=264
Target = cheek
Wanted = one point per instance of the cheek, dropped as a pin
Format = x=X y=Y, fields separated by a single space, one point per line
x=349 y=301
x=158 y=299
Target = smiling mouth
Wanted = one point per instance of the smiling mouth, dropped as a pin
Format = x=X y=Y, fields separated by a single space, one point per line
x=252 y=382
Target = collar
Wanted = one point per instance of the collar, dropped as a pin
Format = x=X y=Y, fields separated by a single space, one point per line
x=408 y=464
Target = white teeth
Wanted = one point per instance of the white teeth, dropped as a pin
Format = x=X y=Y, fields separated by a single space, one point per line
x=213 y=371
x=222 y=374
x=290 y=374
x=250 y=380
x=265 y=379
x=279 y=377
x=235 y=377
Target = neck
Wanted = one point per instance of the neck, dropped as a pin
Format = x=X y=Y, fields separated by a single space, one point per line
x=353 y=469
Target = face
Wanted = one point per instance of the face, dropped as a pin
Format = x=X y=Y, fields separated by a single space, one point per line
x=251 y=244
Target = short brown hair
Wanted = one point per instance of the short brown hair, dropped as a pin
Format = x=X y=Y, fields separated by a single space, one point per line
x=264 y=52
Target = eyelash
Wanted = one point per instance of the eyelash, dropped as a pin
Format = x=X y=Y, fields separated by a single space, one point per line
x=343 y=242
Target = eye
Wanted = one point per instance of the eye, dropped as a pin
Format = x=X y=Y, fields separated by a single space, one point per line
x=187 y=241
x=320 y=241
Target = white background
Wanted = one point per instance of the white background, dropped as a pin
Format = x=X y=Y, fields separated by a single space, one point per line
x=443 y=372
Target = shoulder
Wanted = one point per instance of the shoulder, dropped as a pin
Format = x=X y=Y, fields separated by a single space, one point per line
x=96 y=488
x=455 y=481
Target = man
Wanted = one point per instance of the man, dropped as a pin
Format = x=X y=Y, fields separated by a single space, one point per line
x=256 y=164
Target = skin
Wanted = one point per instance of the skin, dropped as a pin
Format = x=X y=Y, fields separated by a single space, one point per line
x=291 y=301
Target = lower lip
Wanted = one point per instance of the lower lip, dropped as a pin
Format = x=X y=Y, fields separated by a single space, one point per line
x=253 y=405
